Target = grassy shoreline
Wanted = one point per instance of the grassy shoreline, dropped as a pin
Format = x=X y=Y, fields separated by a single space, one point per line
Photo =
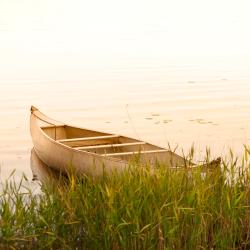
x=137 y=210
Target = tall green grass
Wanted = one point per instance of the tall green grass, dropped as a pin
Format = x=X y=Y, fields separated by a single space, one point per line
x=136 y=210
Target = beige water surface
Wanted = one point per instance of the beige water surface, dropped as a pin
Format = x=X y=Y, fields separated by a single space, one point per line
x=176 y=103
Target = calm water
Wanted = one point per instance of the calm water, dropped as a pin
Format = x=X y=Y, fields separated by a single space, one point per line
x=205 y=102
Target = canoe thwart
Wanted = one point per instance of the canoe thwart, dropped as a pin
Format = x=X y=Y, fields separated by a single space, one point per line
x=111 y=145
x=52 y=126
x=88 y=138
x=138 y=152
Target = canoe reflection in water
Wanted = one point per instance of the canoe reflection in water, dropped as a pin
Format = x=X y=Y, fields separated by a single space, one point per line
x=41 y=172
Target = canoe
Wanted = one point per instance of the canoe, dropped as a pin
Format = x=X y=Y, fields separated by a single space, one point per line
x=66 y=148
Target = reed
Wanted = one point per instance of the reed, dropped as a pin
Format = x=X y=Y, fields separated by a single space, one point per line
x=136 y=210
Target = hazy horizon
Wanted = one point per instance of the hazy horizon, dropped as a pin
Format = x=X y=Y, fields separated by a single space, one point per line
x=69 y=38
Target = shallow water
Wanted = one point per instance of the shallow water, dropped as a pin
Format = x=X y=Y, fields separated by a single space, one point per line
x=180 y=102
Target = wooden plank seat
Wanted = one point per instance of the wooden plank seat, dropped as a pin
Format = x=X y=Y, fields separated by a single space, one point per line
x=136 y=152
x=52 y=126
x=90 y=141
x=111 y=145
x=88 y=138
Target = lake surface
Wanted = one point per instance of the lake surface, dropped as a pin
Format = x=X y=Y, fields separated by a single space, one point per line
x=205 y=102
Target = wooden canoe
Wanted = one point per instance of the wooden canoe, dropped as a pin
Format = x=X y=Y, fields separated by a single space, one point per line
x=90 y=152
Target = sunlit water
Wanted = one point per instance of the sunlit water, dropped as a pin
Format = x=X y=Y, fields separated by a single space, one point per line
x=176 y=103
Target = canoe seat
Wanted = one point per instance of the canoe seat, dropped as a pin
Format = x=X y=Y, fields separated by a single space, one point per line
x=52 y=126
x=111 y=145
x=136 y=152
x=90 y=141
x=88 y=138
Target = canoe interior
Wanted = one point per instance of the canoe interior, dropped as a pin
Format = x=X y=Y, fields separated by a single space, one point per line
x=105 y=144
